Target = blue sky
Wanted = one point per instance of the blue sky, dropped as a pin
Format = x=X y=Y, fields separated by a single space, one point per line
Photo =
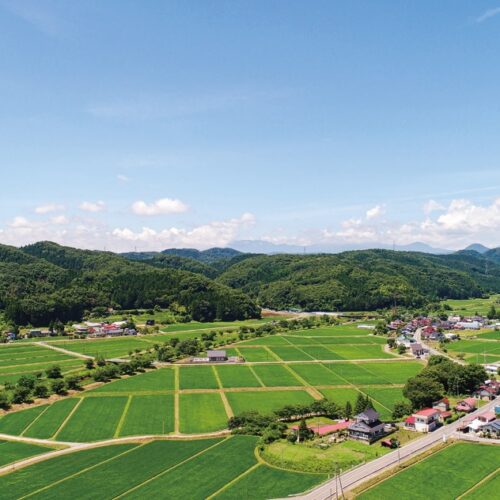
x=153 y=124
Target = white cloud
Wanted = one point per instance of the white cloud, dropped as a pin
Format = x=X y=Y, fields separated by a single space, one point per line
x=433 y=206
x=488 y=15
x=217 y=233
x=49 y=207
x=94 y=207
x=375 y=212
x=122 y=178
x=35 y=14
x=59 y=220
x=162 y=206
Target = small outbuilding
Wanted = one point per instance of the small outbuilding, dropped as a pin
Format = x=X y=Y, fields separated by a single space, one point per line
x=216 y=356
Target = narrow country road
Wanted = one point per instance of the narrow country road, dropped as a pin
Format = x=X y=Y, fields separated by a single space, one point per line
x=435 y=352
x=362 y=473
x=65 y=351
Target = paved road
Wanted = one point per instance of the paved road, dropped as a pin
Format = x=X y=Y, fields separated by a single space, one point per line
x=435 y=352
x=364 y=472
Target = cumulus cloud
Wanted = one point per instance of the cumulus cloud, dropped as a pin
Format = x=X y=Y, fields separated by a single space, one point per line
x=217 y=233
x=49 y=207
x=122 y=178
x=89 y=206
x=433 y=206
x=87 y=232
x=375 y=212
x=163 y=206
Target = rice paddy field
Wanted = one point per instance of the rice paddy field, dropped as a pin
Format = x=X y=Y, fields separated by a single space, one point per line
x=11 y=452
x=29 y=359
x=471 y=471
x=471 y=307
x=218 y=468
x=198 y=399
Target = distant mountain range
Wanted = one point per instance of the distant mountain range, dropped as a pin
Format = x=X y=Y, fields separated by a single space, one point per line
x=260 y=246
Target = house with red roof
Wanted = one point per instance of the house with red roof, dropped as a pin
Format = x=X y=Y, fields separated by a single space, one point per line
x=425 y=420
x=467 y=405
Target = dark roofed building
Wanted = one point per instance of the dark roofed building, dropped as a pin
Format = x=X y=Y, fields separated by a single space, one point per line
x=216 y=356
x=367 y=426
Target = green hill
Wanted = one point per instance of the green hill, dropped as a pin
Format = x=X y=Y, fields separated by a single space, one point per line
x=361 y=280
x=46 y=281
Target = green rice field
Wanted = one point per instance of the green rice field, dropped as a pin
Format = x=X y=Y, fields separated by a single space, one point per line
x=11 y=452
x=471 y=463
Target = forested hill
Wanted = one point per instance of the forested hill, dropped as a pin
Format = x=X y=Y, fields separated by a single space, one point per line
x=361 y=280
x=45 y=281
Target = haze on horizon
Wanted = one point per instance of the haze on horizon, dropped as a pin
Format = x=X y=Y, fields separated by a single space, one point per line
x=195 y=124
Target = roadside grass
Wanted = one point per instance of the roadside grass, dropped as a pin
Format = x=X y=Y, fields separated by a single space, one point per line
x=47 y=424
x=31 y=479
x=209 y=472
x=197 y=377
x=233 y=376
x=94 y=419
x=465 y=465
x=149 y=415
x=201 y=413
x=266 y=482
x=11 y=451
x=161 y=379
x=266 y=402
x=276 y=376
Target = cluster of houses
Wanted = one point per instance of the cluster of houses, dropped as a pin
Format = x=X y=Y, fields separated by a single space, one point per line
x=96 y=330
x=428 y=419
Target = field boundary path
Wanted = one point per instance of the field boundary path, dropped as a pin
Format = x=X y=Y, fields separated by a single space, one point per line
x=362 y=473
x=65 y=351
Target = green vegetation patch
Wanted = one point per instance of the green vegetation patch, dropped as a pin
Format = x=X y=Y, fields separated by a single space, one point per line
x=488 y=489
x=266 y=482
x=156 y=380
x=276 y=376
x=12 y=452
x=128 y=470
x=147 y=415
x=290 y=353
x=205 y=474
x=32 y=479
x=317 y=374
x=471 y=462
x=237 y=376
x=198 y=377
x=266 y=402
x=341 y=395
x=48 y=423
x=15 y=423
x=256 y=354
x=201 y=413
x=94 y=419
